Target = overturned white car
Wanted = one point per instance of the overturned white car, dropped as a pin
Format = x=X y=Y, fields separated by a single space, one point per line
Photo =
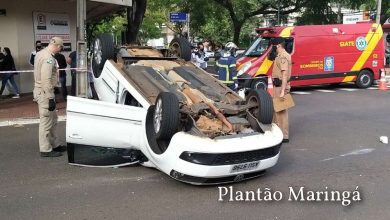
x=166 y=113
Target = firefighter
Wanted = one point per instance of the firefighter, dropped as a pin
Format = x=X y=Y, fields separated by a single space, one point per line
x=226 y=66
x=281 y=74
x=45 y=77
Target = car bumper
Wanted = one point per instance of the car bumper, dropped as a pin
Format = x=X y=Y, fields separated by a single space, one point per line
x=244 y=81
x=239 y=150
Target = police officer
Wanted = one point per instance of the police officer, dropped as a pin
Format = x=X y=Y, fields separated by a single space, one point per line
x=45 y=77
x=226 y=66
x=281 y=74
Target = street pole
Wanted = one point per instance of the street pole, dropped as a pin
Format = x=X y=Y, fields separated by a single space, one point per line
x=188 y=27
x=81 y=48
x=279 y=12
x=378 y=11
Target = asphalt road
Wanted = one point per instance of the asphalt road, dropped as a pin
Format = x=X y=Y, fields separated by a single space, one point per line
x=334 y=144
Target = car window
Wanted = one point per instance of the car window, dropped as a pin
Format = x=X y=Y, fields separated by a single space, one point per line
x=130 y=100
x=258 y=47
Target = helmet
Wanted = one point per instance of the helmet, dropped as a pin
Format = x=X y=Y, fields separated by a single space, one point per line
x=230 y=46
x=230 y=49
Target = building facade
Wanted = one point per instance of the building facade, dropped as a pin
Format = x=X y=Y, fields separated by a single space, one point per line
x=18 y=30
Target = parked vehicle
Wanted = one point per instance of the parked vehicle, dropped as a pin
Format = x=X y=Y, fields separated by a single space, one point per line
x=164 y=112
x=321 y=54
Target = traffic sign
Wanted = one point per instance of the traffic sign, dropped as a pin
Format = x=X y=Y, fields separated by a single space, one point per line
x=178 y=17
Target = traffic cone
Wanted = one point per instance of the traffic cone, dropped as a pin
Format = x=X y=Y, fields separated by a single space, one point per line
x=270 y=87
x=382 y=81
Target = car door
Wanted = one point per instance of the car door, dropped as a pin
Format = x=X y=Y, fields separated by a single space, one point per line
x=101 y=133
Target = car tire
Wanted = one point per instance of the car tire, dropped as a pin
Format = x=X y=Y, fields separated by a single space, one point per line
x=264 y=112
x=364 y=79
x=259 y=84
x=103 y=50
x=180 y=47
x=166 y=116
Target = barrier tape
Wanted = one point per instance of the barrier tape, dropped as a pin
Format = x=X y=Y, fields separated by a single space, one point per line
x=81 y=69
x=31 y=71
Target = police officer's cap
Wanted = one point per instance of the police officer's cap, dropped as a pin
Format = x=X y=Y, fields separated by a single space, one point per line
x=277 y=40
x=57 y=41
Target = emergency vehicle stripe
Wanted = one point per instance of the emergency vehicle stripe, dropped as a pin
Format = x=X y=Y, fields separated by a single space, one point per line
x=286 y=32
x=349 y=78
x=373 y=39
x=264 y=67
x=251 y=60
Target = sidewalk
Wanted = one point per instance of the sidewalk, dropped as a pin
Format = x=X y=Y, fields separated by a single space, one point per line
x=24 y=110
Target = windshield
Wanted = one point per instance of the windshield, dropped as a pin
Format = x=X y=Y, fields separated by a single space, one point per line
x=258 y=47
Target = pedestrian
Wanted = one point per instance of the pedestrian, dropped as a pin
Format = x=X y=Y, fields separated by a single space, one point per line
x=226 y=66
x=38 y=47
x=62 y=73
x=72 y=61
x=8 y=64
x=45 y=77
x=1 y=61
x=199 y=56
x=281 y=74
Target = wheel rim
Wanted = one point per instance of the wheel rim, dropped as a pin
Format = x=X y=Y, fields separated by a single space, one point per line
x=260 y=85
x=157 y=116
x=175 y=47
x=365 y=79
x=97 y=51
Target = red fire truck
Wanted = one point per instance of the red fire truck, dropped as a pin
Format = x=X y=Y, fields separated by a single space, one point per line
x=321 y=54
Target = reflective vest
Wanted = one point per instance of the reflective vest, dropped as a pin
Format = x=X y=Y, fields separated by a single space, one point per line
x=227 y=72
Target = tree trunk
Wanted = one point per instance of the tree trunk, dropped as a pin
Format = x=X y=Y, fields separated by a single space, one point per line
x=237 y=31
x=135 y=16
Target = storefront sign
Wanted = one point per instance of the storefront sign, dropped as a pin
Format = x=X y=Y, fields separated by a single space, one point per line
x=48 y=25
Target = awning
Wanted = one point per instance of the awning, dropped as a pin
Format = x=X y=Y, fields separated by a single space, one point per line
x=101 y=8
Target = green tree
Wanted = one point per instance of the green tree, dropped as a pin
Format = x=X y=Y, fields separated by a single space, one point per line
x=241 y=10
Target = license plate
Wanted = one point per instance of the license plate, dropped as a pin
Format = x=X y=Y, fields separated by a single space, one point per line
x=244 y=167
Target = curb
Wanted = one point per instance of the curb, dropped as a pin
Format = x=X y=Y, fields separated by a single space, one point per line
x=25 y=121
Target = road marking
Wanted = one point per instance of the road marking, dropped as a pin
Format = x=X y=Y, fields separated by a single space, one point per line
x=300 y=93
x=352 y=153
x=373 y=88
x=25 y=121
x=348 y=90
x=324 y=90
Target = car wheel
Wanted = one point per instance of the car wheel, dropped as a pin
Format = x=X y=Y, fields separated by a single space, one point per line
x=103 y=49
x=166 y=115
x=364 y=79
x=259 y=84
x=180 y=47
x=264 y=110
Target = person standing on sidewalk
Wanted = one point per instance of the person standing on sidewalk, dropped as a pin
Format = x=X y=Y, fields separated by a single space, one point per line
x=72 y=61
x=62 y=65
x=38 y=47
x=8 y=64
x=45 y=77
x=281 y=74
